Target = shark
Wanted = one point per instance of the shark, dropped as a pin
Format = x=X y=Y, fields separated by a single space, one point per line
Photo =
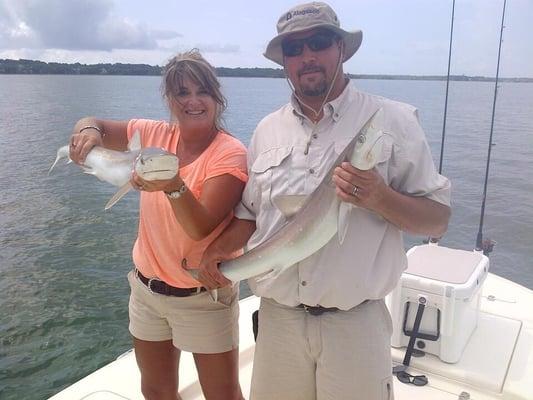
x=115 y=167
x=312 y=220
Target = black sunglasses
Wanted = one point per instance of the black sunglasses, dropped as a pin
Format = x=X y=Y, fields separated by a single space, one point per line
x=417 y=380
x=318 y=41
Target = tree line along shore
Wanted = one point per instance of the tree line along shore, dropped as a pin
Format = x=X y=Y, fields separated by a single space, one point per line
x=33 y=67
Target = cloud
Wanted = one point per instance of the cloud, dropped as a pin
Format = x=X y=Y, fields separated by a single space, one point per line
x=73 y=25
x=162 y=34
x=218 y=48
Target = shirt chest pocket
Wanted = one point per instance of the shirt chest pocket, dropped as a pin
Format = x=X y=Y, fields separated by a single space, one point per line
x=270 y=171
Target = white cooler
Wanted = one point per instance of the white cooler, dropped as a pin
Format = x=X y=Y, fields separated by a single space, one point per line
x=450 y=281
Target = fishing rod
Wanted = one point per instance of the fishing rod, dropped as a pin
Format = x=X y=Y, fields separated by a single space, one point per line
x=487 y=245
x=447 y=87
x=443 y=136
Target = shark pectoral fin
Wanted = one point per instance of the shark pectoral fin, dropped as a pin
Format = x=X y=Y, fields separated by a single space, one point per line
x=345 y=209
x=290 y=204
x=135 y=142
x=87 y=170
x=118 y=195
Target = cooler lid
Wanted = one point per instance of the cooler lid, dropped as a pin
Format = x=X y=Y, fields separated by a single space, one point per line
x=443 y=264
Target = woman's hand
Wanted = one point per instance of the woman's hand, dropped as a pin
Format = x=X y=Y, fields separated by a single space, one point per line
x=81 y=143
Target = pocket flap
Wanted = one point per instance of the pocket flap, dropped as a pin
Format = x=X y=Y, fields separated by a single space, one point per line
x=270 y=158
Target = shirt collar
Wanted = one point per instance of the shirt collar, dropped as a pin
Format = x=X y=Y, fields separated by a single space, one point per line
x=334 y=108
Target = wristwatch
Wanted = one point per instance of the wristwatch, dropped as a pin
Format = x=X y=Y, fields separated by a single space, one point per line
x=176 y=194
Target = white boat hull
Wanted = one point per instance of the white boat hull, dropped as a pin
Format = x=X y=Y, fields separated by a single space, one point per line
x=506 y=310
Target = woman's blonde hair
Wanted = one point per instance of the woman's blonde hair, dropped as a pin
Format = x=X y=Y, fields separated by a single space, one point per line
x=192 y=65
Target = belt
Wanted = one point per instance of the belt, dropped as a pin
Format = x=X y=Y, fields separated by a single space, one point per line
x=160 y=287
x=319 y=310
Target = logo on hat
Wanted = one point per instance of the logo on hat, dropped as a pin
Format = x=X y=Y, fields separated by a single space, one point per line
x=305 y=11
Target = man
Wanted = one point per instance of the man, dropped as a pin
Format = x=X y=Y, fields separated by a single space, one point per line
x=324 y=330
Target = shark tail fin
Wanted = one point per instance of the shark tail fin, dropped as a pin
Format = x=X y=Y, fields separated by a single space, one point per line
x=63 y=152
x=118 y=195
x=87 y=170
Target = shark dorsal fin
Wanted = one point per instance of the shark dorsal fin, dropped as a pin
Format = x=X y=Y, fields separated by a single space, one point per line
x=135 y=142
x=290 y=204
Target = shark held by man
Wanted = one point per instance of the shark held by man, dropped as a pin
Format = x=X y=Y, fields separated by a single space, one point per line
x=312 y=220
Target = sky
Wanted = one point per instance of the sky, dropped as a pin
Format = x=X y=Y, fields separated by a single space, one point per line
x=399 y=36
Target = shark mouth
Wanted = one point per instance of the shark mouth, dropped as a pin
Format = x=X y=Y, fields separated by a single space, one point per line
x=155 y=171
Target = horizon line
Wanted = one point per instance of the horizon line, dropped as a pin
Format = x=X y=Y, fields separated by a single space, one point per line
x=265 y=69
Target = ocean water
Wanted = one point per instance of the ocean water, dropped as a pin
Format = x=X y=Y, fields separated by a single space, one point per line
x=63 y=260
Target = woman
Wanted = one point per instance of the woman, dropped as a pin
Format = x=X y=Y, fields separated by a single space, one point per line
x=178 y=219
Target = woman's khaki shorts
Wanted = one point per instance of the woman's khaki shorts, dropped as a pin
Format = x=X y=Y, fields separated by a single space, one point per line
x=196 y=323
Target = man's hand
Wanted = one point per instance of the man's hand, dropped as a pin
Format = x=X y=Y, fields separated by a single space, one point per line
x=208 y=272
x=361 y=188
x=417 y=215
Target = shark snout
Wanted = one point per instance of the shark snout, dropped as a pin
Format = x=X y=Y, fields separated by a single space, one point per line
x=159 y=166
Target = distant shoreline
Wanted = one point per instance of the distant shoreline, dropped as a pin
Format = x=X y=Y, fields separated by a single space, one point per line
x=33 y=67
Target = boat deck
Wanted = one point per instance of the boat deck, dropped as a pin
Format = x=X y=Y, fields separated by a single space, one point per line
x=497 y=363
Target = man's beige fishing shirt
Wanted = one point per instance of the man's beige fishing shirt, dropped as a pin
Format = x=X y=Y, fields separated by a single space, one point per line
x=289 y=155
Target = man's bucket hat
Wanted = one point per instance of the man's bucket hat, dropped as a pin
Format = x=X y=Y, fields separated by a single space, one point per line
x=308 y=16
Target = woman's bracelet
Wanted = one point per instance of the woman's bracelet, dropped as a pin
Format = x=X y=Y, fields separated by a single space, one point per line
x=102 y=134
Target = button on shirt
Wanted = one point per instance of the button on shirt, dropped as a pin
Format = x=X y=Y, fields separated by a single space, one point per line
x=289 y=155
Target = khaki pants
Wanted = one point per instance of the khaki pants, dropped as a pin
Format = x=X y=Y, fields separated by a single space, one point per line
x=343 y=355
